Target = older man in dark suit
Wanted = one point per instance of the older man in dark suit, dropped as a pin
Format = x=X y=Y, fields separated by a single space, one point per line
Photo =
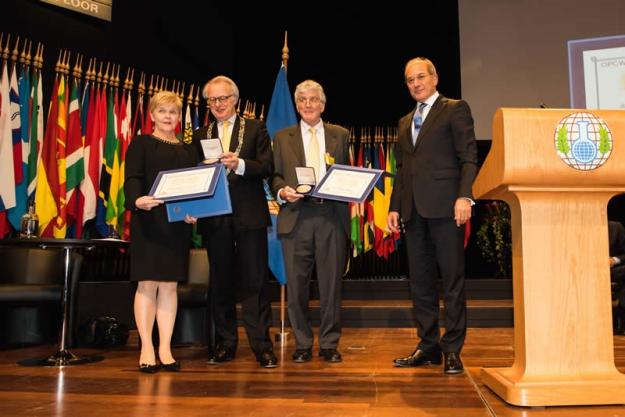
x=237 y=243
x=313 y=231
x=436 y=157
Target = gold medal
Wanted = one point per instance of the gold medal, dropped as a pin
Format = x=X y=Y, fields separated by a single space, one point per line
x=303 y=188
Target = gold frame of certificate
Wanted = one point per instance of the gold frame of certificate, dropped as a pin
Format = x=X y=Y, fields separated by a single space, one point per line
x=186 y=183
x=347 y=183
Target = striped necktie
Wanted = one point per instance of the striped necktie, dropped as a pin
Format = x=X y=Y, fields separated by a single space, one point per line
x=417 y=122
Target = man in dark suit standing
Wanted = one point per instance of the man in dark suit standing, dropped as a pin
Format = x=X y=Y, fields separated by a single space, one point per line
x=436 y=157
x=237 y=243
x=313 y=231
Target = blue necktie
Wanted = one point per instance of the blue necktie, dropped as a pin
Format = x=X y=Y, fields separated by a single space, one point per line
x=418 y=122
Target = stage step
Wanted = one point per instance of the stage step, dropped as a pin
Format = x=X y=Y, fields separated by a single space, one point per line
x=398 y=313
x=394 y=288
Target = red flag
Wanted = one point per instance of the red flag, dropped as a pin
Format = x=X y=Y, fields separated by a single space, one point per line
x=60 y=227
x=137 y=123
x=148 y=125
x=5 y=226
x=75 y=152
x=93 y=154
x=47 y=191
x=124 y=135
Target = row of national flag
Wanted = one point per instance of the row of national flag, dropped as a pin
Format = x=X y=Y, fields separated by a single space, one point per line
x=73 y=168
x=368 y=220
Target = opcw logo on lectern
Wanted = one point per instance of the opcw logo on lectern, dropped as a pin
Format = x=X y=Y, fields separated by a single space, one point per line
x=583 y=141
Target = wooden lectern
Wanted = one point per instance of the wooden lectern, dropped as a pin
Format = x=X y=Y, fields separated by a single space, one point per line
x=564 y=352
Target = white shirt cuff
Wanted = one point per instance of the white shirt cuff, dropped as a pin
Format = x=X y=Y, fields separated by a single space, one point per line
x=241 y=167
x=278 y=199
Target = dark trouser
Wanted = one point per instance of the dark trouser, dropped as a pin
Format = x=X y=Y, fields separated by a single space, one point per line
x=317 y=240
x=433 y=246
x=238 y=270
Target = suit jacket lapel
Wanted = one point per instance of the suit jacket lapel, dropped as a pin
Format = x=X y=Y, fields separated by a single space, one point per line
x=435 y=111
x=405 y=132
x=330 y=140
x=296 y=143
x=234 y=137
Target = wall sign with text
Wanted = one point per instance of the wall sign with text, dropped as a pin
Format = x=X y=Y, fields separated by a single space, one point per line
x=96 y=8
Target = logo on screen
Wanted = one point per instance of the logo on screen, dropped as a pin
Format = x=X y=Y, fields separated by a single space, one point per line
x=583 y=141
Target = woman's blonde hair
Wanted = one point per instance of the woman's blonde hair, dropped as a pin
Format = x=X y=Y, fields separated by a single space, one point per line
x=163 y=98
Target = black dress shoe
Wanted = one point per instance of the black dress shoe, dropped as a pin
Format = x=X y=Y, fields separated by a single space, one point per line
x=302 y=355
x=171 y=367
x=267 y=359
x=149 y=369
x=330 y=355
x=419 y=358
x=453 y=363
x=221 y=354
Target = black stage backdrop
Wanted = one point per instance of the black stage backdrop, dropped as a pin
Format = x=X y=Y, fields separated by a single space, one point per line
x=355 y=49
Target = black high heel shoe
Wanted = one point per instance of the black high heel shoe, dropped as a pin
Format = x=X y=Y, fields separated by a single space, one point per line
x=171 y=367
x=149 y=369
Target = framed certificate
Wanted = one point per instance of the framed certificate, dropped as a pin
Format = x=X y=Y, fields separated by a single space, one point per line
x=186 y=183
x=216 y=205
x=347 y=183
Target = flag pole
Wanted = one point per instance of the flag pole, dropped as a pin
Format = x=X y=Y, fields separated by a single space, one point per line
x=283 y=333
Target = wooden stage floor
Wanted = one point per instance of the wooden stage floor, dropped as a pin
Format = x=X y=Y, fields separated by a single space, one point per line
x=364 y=384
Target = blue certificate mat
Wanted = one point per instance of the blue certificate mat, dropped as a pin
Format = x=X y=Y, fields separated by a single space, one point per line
x=216 y=205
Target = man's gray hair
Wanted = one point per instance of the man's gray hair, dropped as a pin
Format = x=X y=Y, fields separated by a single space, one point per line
x=223 y=80
x=309 y=85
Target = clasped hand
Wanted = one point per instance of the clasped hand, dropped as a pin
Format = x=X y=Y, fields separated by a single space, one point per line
x=230 y=160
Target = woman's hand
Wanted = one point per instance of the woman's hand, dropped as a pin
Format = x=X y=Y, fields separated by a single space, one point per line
x=190 y=219
x=147 y=202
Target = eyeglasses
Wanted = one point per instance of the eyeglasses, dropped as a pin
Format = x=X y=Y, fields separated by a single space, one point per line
x=218 y=100
x=309 y=100
x=420 y=77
